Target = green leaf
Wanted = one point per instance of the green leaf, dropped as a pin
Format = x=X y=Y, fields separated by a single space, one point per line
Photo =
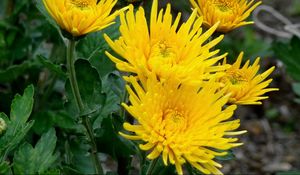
x=93 y=46
x=4 y=167
x=289 y=53
x=52 y=172
x=17 y=126
x=29 y=160
x=56 y=69
x=14 y=71
x=114 y=88
x=108 y=133
x=80 y=161
x=90 y=88
x=21 y=106
x=42 y=122
x=63 y=120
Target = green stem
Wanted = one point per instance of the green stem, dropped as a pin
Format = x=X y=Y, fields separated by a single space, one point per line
x=124 y=100
x=151 y=167
x=80 y=106
x=72 y=75
x=87 y=124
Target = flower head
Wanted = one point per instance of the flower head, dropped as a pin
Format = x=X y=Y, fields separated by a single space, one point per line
x=246 y=86
x=182 y=123
x=165 y=48
x=230 y=13
x=79 y=17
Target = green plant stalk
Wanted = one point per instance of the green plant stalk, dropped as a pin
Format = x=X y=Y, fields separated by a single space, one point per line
x=151 y=167
x=80 y=105
x=123 y=110
x=72 y=75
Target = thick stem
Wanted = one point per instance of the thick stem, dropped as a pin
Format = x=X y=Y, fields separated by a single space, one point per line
x=151 y=167
x=80 y=106
x=72 y=75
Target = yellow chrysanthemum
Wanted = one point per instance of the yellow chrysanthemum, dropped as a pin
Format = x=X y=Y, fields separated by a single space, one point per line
x=79 y=17
x=182 y=123
x=165 y=48
x=246 y=86
x=230 y=13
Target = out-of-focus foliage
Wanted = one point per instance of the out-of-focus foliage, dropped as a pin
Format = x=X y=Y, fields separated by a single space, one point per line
x=44 y=134
x=289 y=53
x=32 y=51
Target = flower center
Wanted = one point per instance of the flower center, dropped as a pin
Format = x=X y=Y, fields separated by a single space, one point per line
x=162 y=54
x=162 y=49
x=224 y=5
x=82 y=4
x=174 y=120
x=235 y=77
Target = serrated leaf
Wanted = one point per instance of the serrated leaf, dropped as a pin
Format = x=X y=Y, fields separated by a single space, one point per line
x=23 y=160
x=90 y=88
x=45 y=150
x=29 y=160
x=21 y=106
x=12 y=137
x=17 y=126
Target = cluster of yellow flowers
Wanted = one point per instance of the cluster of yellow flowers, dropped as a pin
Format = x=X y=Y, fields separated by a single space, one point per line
x=182 y=94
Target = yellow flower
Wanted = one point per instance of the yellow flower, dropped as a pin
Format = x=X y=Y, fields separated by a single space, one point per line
x=165 y=48
x=230 y=13
x=184 y=124
x=79 y=17
x=246 y=86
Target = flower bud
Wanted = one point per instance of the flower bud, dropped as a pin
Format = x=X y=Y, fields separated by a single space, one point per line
x=3 y=125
